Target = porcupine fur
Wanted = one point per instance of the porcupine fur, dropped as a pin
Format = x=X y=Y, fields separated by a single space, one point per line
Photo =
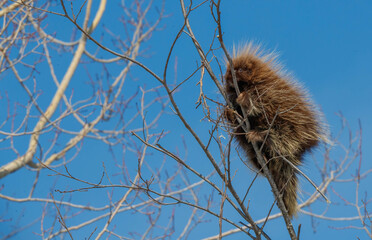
x=267 y=92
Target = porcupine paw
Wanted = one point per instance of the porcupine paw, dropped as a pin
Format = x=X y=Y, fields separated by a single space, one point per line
x=242 y=99
x=229 y=114
x=256 y=136
x=248 y=103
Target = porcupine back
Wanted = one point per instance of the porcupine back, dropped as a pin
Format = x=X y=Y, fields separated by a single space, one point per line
x=278 y=107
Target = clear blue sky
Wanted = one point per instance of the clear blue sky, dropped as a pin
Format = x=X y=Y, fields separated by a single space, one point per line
x=326 y=45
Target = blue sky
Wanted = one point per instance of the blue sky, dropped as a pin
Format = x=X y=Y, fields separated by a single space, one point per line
x=326 y=45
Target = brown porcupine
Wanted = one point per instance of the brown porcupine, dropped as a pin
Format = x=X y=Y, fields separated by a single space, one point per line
x=281 y=117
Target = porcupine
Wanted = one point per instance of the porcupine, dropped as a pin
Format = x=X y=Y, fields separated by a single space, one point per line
x=281 y=117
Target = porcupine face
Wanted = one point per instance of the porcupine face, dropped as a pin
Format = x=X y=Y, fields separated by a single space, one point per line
x=249 y=72
x=245 y=76
x=242 y=73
